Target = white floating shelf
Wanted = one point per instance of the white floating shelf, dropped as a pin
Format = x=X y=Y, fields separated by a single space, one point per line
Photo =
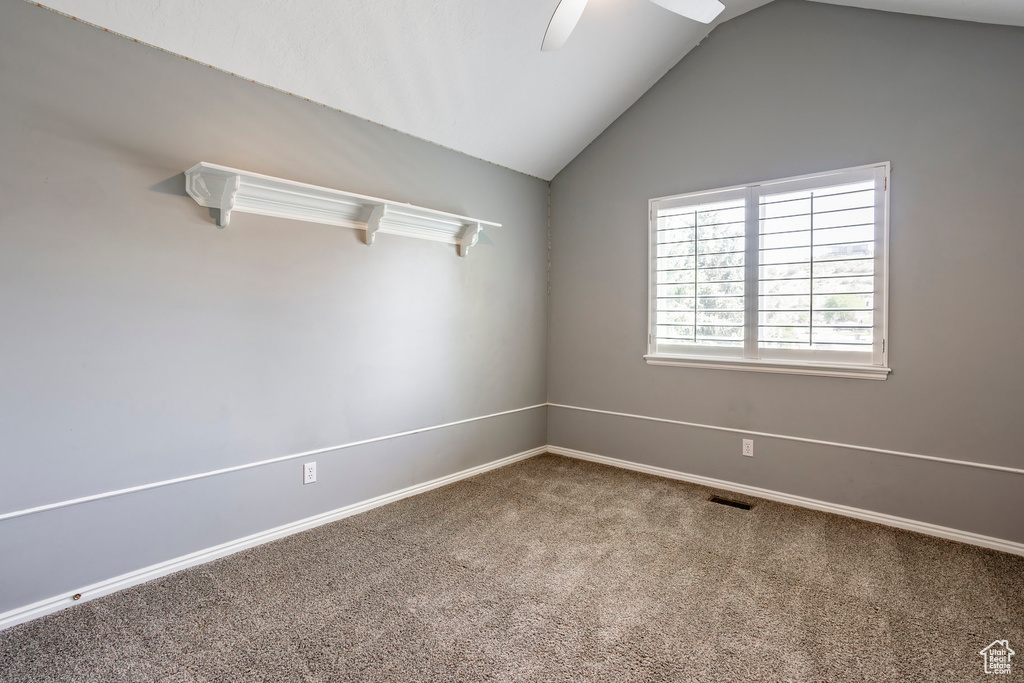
x=230 y=190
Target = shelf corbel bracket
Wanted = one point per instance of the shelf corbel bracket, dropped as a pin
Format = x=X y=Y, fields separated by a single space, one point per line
x=469 y=238
x=373 y=224
x=227 y=200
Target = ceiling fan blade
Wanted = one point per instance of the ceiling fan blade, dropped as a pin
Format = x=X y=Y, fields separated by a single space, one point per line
x=563 y=21
x=703 y=11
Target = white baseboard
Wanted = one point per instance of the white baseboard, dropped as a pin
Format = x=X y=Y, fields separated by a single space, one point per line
x=48 y=606
x=857 y=513
x=43 y=607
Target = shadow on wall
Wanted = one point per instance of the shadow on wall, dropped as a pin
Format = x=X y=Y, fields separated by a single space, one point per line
x=174 y=185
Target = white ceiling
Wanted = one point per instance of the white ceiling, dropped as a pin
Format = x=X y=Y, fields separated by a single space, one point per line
x=466 y=74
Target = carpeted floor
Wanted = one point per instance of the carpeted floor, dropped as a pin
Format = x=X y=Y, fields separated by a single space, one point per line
x=553 y=570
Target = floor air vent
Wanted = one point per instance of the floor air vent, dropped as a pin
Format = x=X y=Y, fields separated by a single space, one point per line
x=730 y=503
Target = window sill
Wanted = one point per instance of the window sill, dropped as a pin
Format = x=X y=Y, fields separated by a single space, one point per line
x=777 y=366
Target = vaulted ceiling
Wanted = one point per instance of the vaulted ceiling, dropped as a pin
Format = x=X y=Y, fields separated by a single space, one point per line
x=466 y=74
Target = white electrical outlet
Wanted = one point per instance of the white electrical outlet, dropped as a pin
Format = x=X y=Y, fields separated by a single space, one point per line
x=748 y=448
x=309 y=473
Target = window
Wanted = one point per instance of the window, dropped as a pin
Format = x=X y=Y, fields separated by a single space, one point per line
x=781 y=276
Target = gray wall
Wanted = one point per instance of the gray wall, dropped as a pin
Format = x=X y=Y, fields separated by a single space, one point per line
x=139 y=342
x=788 y=89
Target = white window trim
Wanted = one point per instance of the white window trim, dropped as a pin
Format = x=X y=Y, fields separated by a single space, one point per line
x=712 y=358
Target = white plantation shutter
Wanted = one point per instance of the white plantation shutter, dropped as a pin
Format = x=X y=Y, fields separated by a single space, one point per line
x=780 y=273
x=699 y=301
x=819 y=251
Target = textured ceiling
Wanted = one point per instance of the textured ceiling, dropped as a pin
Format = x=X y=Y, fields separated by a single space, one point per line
x=466 y=74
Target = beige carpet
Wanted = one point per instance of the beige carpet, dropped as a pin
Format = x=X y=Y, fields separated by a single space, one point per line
x=553 y=570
